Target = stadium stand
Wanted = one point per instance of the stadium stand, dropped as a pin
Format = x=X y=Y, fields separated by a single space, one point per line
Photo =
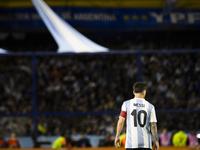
x=84 y=80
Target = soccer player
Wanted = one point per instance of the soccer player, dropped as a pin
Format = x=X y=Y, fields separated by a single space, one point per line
x=140 y=119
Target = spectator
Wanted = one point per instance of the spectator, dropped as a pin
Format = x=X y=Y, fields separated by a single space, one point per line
x=42 y=126
x=2 y=142
x=69 y=141
x=64 y=140
x=83 y=141
x=35 y=141
x=13 y=142
x=59 y=143
x=107 y=141
x=165 y=138
x=179 y=138
x=192 y=138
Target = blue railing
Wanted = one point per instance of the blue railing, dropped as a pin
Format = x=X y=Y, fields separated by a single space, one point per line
x=93 y=113
x=34 y=55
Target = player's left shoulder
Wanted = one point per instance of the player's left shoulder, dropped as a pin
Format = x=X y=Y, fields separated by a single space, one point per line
x=150 y=104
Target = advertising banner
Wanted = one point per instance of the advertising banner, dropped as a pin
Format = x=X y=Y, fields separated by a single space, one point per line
x=91 y=18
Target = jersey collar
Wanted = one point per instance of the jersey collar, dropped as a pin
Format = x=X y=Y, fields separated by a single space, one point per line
x=139 y=98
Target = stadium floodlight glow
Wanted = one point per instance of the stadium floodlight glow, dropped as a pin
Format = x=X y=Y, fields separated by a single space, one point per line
x=198 y=136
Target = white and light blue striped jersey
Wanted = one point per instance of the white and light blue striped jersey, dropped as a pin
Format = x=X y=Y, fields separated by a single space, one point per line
x=138 y=113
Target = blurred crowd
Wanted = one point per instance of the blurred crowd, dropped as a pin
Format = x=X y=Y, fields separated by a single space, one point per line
x=174 y=84
x=16 y=85
x=96 y=83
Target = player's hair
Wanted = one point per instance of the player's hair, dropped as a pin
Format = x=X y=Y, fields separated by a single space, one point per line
x=139 y=87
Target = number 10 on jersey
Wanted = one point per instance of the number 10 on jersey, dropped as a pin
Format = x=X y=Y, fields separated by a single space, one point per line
x=138 y=117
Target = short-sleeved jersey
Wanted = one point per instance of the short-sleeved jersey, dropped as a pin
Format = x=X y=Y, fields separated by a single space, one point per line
x=138 y=113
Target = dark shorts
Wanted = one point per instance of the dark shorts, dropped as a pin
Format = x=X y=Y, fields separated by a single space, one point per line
x=138 y=149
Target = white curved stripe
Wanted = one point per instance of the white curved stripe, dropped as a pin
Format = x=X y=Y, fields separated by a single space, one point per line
x=94 y=46
x=67 y=38
x=3 y=51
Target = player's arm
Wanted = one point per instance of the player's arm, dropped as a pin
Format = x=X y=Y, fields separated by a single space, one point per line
x=120 y=125
x=155 y=134
x=154 y=130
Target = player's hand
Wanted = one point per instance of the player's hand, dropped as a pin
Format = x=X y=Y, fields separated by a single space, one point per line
x=117 y=141
x=156 y=146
